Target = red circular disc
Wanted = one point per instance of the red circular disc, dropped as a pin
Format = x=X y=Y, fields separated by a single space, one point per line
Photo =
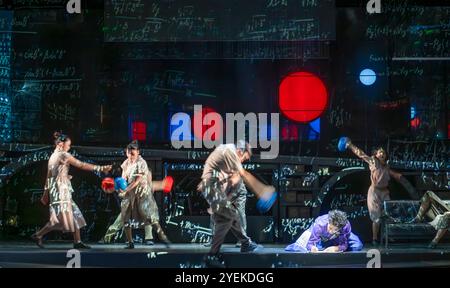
x=302 y=97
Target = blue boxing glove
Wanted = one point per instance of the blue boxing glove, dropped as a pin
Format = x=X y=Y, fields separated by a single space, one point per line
x=120 y=183
x=343 y=143
x=264 y=205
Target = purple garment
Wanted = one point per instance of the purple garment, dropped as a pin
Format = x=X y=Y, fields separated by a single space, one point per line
x=322 y=239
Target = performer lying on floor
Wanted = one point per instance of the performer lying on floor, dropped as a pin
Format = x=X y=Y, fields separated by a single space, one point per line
x=436 y=210
x=329 y=233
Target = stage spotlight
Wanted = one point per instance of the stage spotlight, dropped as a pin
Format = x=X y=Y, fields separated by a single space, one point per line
x=367 y=77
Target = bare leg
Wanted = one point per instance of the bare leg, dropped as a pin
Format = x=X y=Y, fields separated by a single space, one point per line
x=148 y=233
x=129 y=234
x=37 y=237
x=77 y=244
x=46 y=229
x=375 y=230
x=424 y=206
x=440 y=233
x=161 y=235
x=76 y=236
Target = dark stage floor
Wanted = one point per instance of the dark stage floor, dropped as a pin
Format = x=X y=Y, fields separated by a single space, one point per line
x=190 y=256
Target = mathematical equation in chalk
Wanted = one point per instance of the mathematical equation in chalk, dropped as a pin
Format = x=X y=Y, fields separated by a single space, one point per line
x=270 y=50
x=140 y=21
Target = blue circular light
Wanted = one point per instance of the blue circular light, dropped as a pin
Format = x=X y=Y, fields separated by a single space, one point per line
x=367 y=77
x=413 y=112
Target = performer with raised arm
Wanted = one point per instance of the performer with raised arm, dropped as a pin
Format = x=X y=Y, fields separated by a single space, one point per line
x=64 y=212
x=380 y=174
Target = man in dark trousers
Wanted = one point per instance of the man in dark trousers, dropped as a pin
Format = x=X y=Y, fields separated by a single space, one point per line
x=221 y=176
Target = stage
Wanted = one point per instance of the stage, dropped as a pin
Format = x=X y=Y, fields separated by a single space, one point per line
x=26 y=255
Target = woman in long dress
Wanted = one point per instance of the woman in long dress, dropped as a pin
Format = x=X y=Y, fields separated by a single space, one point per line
x=380 y=174
x=64 y=212
x=138 y=206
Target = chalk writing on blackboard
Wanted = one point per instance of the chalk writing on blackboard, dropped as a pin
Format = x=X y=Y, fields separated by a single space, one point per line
x=140 y=21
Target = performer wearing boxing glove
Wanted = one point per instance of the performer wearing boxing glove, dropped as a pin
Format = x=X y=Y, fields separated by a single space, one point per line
x=221 y=175
x=378 y=192
x=138 y=206
x=117 y=226
x=238 y=198
x=64 y=212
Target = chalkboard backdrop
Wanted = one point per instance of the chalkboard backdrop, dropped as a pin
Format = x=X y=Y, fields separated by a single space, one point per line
x=94 y=74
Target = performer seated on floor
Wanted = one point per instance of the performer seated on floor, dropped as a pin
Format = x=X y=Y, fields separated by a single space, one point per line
x=436 y=210
x=329 y=233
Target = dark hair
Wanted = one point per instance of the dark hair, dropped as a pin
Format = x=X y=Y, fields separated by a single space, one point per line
x=134 y=145
x=374 y=151
x=60 y=137
x=116 y=170
x=337 y=218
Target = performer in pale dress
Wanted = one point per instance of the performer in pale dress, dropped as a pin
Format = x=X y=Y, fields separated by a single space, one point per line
x=138 y=206
x=64 y=212
x=117 y=226
x=378 y=192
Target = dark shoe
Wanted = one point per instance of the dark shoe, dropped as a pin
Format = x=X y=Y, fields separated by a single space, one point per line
x=38 y=241
x=130 y=245
x=149 y=243
x=163 y=238
x=161 y=235
x=166 y=242
x=432 y=245
x=81 y=245
x=250 y=247
x=375 y=243
x=213 y=261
